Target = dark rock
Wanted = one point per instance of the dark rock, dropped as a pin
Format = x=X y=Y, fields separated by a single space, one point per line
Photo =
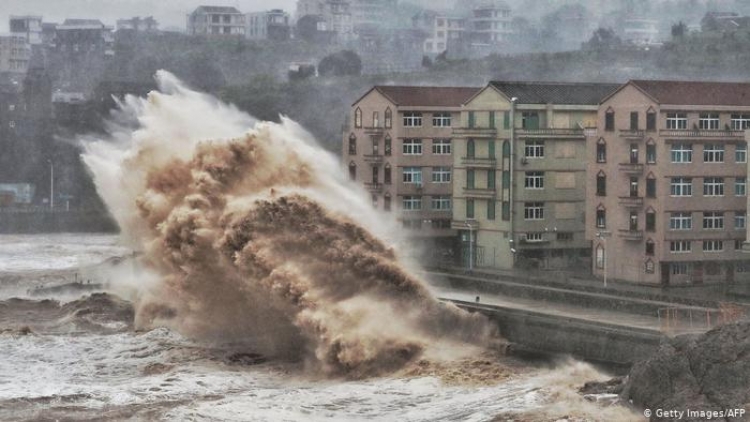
x=613 y=386
x=706 y=372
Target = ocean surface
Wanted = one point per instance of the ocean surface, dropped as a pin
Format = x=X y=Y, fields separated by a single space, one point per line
x=70 y=353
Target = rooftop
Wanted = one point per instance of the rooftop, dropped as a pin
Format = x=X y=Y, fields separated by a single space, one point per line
x=696 y=93
x=217 y=9
x=556 y=92
x=430 y=96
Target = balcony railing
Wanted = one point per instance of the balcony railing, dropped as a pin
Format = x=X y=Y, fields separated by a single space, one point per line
x=374 y=187
x=479 y=162
x=627 y=234
x=633 y=134
x=374 y=130
x=631 y=168
x=696 y=133
x=551 y=133
x=373 y=158
x=476 y=132
x=480 y=192
x=631 y=201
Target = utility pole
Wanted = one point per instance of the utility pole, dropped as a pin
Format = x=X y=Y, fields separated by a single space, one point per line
x=51 y=185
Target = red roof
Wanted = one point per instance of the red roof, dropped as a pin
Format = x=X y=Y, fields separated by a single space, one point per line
x=427 y=96
x=696 y=93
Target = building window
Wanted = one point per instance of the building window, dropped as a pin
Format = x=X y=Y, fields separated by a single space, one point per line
x=740 y=152
x=713 y=153
x=650 y=120
x=387 y=202
x=470 y=150
x=441 y=146
x=682 y=153
x=651 y=187
x=470 y=179
x=634 y=187
x=739 y=220
x=650 y=154
x=650 y=247
x=609 y=121
x=412 y=119
x=374 y=198
x=713 y=220
x=599 y=256
x=633 y=120
x=650 y=221
x=534 y=180
x=533 y=149
x=740 y=186
x=679 y=268
x=708 y=121
x=441 y=119
x=352 y=171
x=738 y=245
x=601 y=218
x=530 y=120
x=387 y=174
x=533 y=210
x=387 y=145
x=601 y=184
x=412 y=147
x=681 y=186
x=713 y=245
x=441 y=174
x=680 y=246
x=491 y=175
x=740 y=121
x=388 y=118
x=441 y=203
x=375 y=119
x=412 y=203
x=413 y=175
x=490 y=209
x=12 y=124
x=358 y=118
x=650 y=267
x=469 y=208
x=681 y=221
x=713 y=186
x=601 y=151
x=676 y=120
x=375 y=174
x=564 y=236
x=352 y=144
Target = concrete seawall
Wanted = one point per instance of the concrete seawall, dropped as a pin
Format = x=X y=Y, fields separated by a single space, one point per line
x=56 y=222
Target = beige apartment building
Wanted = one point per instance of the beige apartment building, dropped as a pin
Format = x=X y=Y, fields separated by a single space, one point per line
x=398 y=144
x=667 y=178
x=519 y=174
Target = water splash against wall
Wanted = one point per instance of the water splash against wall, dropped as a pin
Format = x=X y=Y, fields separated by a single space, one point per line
x=254 y=236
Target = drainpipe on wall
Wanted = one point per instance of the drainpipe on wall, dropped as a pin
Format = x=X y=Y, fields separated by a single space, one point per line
x=512 y=170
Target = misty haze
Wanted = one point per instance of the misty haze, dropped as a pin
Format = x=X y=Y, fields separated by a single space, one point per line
x=374 y=210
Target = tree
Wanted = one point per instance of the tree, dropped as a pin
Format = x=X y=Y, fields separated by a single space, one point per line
x=679 y=30
x=603 y=39
x=342 y=63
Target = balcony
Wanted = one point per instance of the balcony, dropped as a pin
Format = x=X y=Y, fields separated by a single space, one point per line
x=631 y=168
x=480 y=192
x=551 y=133
x=631 y=201
x=374 y=130
x=706 y=134
x=373 y=158
x=475 y=132
x=633 y=235
x=374 y=187
x=479 y=162
x=633 y=134
x=464 y=224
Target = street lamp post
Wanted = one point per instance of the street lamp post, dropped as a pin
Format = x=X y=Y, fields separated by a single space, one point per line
x=51 y=185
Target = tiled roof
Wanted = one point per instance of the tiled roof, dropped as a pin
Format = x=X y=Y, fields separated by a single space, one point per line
x=430 y=96
x=218 y=9
x=556 y=92
x=696 y=93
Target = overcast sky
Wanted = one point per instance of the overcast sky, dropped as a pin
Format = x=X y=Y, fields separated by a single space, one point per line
x=167 y=12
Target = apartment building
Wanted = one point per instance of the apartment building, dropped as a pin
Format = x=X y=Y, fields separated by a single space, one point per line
x=269 y=25
x=441 y=29
x=491 y=22
x=334 y=16
x=667 y=177
x=216 y=21
x=29 y=27
x=519 y=163
x=15 y=54
x=399 y=146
